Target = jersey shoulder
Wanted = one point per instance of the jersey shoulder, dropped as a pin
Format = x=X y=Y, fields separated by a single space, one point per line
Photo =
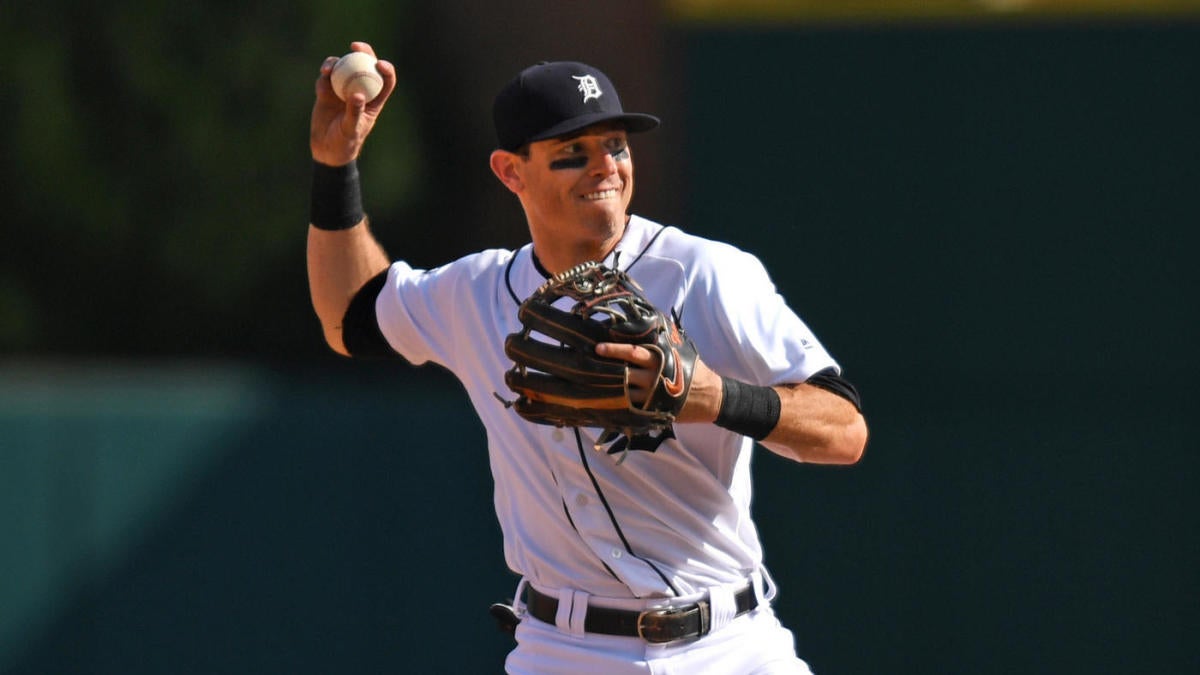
x=701 y=256
x=473 y=267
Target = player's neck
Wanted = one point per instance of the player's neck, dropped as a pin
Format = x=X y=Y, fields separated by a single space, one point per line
x=557 y=255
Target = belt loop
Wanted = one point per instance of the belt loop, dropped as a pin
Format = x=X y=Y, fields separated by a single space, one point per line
x=722 y=607
x=579 y=610
x=519 y=598
x=572 y=609
x=764 y=585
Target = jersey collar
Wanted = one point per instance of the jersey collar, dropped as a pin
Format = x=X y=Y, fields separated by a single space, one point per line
x=522 y=277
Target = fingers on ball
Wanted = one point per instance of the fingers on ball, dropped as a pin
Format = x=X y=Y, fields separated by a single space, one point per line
x=355 y=73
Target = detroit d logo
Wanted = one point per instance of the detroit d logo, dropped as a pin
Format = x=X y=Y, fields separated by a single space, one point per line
x=588 y=87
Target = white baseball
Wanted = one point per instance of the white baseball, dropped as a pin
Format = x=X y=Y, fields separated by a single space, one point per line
x=355 y=72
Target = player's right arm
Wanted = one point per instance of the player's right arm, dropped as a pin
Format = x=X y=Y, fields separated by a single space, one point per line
x=342 y=260
x=340 y=263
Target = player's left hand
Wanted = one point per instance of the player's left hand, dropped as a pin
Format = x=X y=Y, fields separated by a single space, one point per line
x=704 y=397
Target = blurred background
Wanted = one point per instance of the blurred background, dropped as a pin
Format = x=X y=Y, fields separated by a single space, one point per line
x=986 y=209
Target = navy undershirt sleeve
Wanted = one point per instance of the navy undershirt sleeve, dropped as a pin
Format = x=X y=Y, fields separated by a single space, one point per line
x=830 y=381
x=360 y=326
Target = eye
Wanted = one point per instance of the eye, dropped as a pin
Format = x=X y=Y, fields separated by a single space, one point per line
x=618 y=148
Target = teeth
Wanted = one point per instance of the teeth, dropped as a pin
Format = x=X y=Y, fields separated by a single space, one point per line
x=602 y=194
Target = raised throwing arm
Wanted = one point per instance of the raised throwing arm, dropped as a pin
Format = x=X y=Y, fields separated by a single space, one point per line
x=342 y=253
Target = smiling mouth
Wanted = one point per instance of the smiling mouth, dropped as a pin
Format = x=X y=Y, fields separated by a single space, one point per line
x=602 y=194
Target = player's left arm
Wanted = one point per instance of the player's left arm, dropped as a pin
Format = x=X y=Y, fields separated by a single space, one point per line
x=819 y=421
x=817 y=425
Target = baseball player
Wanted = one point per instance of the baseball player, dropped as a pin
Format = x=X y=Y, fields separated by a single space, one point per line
x=636 y=551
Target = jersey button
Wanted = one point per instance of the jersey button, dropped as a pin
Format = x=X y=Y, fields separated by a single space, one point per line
x=557 y=435
x=617 y=553
x=581 y=499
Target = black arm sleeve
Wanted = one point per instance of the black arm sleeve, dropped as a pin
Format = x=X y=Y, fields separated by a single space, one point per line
x=830 y=381
x=360 y=327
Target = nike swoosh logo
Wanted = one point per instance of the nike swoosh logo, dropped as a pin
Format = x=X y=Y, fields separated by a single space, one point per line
x=674 y=386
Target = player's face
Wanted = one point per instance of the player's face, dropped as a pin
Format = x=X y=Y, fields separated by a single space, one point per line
x=584 y=180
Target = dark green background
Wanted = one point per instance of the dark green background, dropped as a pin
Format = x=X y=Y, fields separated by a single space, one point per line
x=990 y=225
x=994 y=230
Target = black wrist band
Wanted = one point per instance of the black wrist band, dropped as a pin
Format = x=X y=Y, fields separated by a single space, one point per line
x=748 y=409
x=336 y=197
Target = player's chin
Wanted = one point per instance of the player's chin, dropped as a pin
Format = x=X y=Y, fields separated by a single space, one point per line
x=606 y=213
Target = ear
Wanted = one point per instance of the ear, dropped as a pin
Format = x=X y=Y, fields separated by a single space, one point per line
x=505 y=165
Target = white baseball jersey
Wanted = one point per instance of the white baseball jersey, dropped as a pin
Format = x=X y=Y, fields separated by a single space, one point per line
x=666 y=523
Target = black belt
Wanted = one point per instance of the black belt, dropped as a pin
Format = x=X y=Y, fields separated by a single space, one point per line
x=652 y=625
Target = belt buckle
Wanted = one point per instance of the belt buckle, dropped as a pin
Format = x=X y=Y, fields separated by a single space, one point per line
x=656 y=632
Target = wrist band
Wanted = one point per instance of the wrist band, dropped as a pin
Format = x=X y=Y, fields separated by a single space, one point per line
x=336 y=197
x=748 y=409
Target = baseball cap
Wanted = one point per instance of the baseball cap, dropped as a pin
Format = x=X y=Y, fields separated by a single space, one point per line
x=555 y=98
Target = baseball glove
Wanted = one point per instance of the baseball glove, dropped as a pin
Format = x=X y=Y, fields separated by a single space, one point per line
x=560 y=379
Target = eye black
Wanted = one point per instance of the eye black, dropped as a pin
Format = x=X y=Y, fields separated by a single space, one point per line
x=569 y=163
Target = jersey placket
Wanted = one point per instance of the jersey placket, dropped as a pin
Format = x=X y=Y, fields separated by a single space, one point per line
x=588 y=507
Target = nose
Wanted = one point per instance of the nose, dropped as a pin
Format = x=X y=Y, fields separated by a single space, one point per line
x=607 y=164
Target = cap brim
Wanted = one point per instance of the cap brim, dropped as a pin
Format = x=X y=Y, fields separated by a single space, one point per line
x=634 y=123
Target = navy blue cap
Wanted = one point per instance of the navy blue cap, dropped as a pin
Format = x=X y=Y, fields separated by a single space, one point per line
x=556 y=98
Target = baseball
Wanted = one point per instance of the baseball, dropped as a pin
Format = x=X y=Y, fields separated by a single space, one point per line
x=355 y=72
